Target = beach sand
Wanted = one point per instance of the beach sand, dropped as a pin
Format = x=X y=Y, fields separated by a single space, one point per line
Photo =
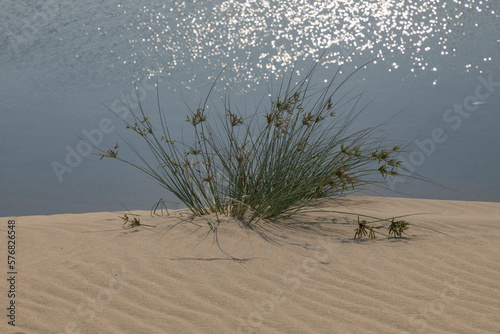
x=84 y=273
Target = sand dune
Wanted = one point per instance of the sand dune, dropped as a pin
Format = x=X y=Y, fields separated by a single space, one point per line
x=83 y=273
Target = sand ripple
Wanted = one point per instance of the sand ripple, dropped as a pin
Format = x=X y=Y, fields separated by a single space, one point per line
x=84 y=274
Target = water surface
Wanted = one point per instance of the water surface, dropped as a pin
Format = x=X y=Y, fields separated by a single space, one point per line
x=64 y=61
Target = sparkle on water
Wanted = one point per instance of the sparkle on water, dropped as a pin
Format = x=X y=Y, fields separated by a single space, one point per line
x=260 y=38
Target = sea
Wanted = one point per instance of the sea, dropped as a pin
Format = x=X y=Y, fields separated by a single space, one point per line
x=428 y=72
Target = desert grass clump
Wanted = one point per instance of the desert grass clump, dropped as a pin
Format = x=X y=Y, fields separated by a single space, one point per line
x=301 y=147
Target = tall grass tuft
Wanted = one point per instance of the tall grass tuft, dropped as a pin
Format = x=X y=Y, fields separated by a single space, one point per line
x=297 y=149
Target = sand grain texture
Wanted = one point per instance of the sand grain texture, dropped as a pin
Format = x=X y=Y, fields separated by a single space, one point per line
x=83 y=274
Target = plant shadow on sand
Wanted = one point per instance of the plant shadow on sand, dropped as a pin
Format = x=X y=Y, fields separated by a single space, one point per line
x=301 y=233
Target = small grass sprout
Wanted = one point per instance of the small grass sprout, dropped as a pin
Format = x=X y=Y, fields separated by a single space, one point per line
x=397 y=228
x=129 y=222
x=363 y=228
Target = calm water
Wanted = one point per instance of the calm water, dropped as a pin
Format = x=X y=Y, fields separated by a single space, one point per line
x=61 y=61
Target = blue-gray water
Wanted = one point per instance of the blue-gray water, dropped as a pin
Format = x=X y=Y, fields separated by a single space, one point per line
x=62 y=60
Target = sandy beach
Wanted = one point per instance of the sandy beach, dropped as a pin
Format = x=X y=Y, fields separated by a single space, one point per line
x=84 y=273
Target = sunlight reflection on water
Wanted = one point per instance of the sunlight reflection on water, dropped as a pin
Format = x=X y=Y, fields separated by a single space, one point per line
x=264 y=38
